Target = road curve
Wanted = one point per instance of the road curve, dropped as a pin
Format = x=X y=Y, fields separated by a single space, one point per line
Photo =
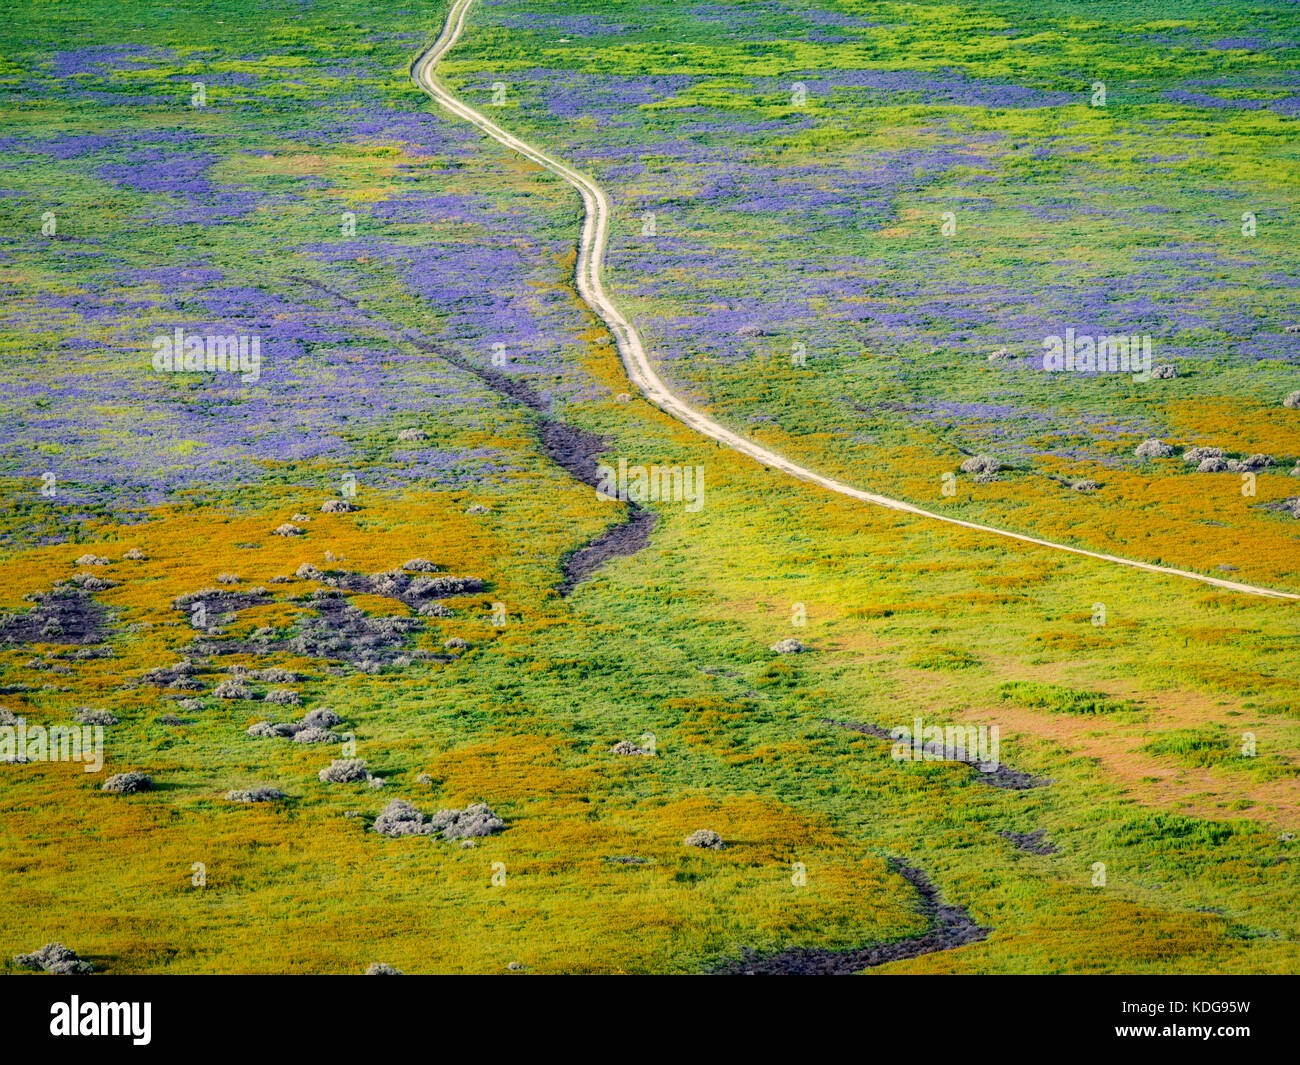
x=591 y=253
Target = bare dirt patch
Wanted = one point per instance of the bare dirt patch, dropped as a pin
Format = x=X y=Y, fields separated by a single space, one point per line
x=65 y=615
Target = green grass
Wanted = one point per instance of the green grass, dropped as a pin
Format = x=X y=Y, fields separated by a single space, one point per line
x=1061 y=700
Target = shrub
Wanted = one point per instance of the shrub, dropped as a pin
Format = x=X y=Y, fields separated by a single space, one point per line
x=128 y=783
x=440 y=587
x=262 y=794
x=477 y=819
x=266 y=730
x=704 y=837
x=232 y=688
x=315 y=735
x=1153 y=449
x=54 y=958
x=344 y=771
x=93 y=584
x=980 y=464
x=321 y=717
x=401 y=818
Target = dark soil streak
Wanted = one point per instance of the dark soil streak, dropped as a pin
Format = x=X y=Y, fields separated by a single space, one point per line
x=1034 y=842
x=953 y=927
x=510 y=387
x=628 y=538
x=1000 y=777
x=574 y=450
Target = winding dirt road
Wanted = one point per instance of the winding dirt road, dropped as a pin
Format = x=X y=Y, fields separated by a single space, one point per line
x=591 y=253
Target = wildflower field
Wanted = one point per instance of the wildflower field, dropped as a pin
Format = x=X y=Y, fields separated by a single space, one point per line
x=844 y=229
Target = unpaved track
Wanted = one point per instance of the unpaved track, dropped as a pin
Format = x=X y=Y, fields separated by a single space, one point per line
x=591 y=254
